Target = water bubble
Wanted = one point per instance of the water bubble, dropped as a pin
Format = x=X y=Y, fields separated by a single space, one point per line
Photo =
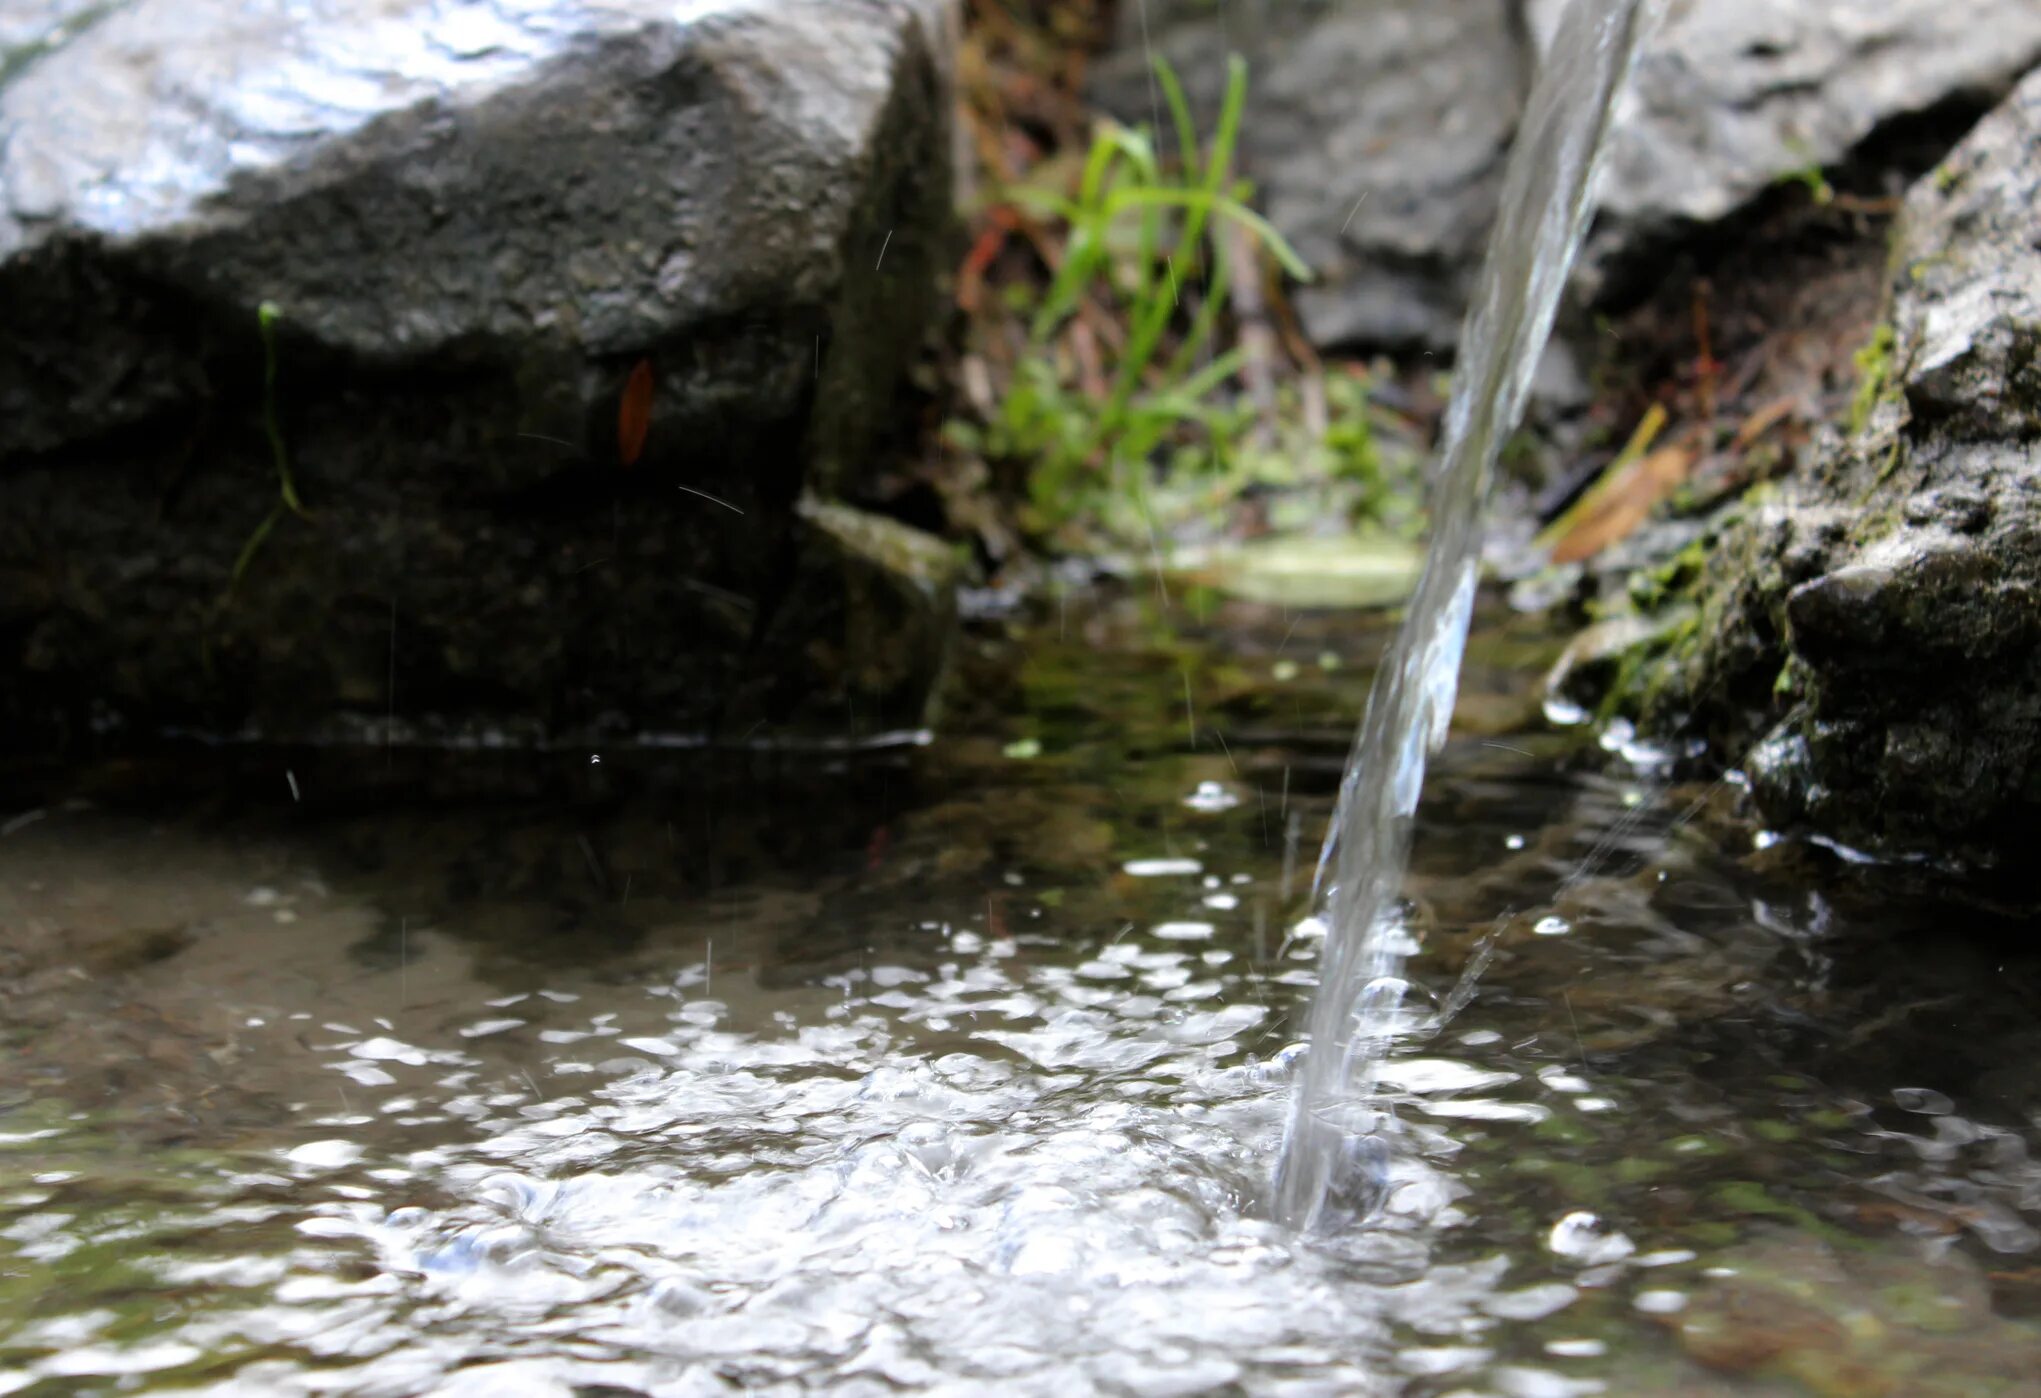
x=1162 y=868
x=324 y=1155
x=1427 y=1075
x=1576 y=1349
x=1561 y=1080
x=1359 y=1183
x=483 y=1028
x=1432 y=1360
x=1582 y=1237
x=659 y=1047
x=1667 y=1257
x=386 y=1050
x=1521 y=1382
x=679 y=1296
x=1530 y=1303
x=927 y=1145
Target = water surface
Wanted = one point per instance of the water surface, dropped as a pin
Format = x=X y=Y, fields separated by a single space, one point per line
x=962 y=1067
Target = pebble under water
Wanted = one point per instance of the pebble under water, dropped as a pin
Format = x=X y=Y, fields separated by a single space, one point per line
x=962 y=1067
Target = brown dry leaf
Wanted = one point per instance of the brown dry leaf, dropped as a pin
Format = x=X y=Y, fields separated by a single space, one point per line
x=634 y=413
x=1765 y=419
x=1625 y=502
x=1090 y=366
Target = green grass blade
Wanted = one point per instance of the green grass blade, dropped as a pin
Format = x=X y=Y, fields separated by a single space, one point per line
x=1201 y=204
x=253 y=546
x=266 y=316
x=1222 y=368
x=1180 y=113
x=1083 y=254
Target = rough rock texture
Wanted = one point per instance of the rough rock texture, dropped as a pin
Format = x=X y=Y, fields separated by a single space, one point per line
x=1411 y=103
x=475 y=218
x=1736 y=94
x=1876 y=623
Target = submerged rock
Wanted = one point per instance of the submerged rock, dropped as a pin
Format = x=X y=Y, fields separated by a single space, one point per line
x=477 y=223
x=1860 y=1318
x=1871 y=632
x=1376 y=129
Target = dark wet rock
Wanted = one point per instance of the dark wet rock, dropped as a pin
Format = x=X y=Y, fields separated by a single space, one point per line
x=1594 y=662
x=475 y=220
x=1858 y=1318
x=1376 y=129
x=871 y=600
x=1870 y=632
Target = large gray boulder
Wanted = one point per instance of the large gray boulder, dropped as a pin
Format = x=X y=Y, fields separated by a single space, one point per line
x=1736 y=94
x=1376 y=128
x=475 y=219
x=1870 y=634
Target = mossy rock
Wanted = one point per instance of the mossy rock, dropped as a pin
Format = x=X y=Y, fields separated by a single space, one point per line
x=1866 y=640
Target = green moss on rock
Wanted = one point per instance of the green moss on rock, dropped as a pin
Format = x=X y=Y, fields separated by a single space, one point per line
x=1866 y=639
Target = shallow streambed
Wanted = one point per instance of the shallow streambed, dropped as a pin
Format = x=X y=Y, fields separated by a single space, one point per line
x=961 y=1066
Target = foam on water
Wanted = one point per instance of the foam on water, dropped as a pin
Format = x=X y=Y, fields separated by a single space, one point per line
x=980 y=1173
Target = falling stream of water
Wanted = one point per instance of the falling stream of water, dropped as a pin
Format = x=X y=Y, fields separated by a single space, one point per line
x=1547 y=199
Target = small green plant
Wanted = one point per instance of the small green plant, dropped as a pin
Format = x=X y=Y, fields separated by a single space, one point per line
x=1140 y=245
x=266 y=316
x=1310 y=472
x=1811 y=178
x=1874 y=376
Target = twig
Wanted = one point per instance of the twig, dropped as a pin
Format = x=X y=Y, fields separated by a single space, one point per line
x=1256 y=338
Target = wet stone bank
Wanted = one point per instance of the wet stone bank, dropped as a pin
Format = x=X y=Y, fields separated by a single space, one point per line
x=471 y=372
x=1868 y=630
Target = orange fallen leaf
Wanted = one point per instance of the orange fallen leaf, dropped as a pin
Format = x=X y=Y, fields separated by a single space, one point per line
x=1625 y=502
x=634 y=413
x=999 y=223
x=1764 y=419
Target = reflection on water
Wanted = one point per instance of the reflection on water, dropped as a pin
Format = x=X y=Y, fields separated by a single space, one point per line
x=962 y=1069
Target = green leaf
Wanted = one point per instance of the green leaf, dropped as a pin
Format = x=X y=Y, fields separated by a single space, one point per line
x=1340 y=571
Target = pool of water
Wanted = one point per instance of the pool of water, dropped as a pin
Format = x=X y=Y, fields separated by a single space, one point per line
x=959 y=1066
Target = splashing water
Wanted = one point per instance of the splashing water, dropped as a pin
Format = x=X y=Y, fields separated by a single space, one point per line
x=1547 y=198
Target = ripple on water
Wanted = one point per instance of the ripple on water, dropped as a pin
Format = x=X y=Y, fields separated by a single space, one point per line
x=1021 y=1146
